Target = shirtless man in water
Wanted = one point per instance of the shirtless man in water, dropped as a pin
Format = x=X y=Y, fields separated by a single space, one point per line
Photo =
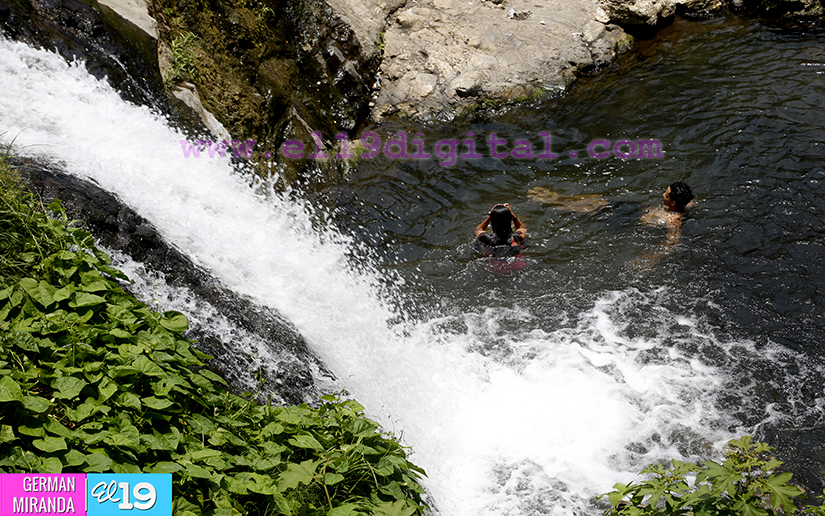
x=678 y=198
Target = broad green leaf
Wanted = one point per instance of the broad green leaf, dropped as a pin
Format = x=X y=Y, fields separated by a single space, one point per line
x=349 y=509
x=170 y=439
x=10 y=390
x=55 y=427
x=262 y=484
x=67 y=387
x=126 y=468
x=36 y=431
x=97 y=463
x=174 y=321
x=51 y=465
x=273 y=428
x=749 y=509
x=93 y=282
x=64 y=293
x=306 y=441
x=396 y=508
x=165 y=467
x=295 y=474
x=157 y=403
x=212 y=376
x=127 y=437
x=36 y=403
x=361 y=427
x=41 y=292
x=147 y=367
x=129 y=400
x=82 y=299
x=124 y=370
x=271 y=448
x=781 y=492
x=196 y=471
x=387 y=464
x=7 y=434
x=265 y=464
x=111 y=271
x=354 y=405
x=73 y=458
x=394 y=490
x=106 y=389
x=104 y=258
x=89 y=407
x=205 y=454
x=50 y=444
x=331 y=479
x=119 y=333
x=234 y=485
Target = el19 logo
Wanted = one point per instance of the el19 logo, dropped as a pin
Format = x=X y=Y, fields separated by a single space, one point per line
x=129 y=494
x=144 y=502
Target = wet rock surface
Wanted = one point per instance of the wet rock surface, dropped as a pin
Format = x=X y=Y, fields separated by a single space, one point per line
x=295 y=374
x=635 y=14
x=790 y=11
x=273 y=71
x=443 y=56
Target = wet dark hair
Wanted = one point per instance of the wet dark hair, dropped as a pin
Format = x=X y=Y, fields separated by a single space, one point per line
x=501 y=222
x=680 y=194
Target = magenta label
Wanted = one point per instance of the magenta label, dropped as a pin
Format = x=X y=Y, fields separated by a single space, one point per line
x=42 y=494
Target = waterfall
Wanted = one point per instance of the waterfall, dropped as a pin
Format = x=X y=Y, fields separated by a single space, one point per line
x=566 y=414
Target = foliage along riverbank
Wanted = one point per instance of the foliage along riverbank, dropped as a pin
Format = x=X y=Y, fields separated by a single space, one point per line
x=91 y=380
x=747 y=482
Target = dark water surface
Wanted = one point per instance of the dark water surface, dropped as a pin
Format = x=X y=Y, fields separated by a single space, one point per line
x=739 y=109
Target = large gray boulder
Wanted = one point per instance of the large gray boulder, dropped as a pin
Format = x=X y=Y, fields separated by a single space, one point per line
x=445 y=56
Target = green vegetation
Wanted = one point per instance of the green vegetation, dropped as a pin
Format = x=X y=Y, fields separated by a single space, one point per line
x=184 y=62
x=746 y=483
x=624 y=44
x=91 y=380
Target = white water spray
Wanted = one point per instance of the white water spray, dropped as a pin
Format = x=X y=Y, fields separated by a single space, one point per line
x=568 y=413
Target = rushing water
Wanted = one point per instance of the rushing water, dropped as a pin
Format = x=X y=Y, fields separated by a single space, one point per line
x=526 y=386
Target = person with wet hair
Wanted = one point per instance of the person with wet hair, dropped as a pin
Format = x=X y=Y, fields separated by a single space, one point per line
x=502 y=220
x=678 y=197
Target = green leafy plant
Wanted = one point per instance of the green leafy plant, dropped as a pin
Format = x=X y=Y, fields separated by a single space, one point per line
x=91 y=380
x=184 y=61
x=747 y=482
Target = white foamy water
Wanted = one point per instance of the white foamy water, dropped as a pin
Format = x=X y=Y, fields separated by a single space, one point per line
x=562 y=417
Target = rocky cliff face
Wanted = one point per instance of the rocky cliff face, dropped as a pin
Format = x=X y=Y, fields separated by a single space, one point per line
x=270 y=71
x=280 y=70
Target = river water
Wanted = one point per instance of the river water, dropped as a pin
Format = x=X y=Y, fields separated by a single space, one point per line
x=528 y=385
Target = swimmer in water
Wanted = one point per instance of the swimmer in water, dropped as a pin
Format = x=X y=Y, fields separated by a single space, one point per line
x=678 y=198
x=502 y=219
